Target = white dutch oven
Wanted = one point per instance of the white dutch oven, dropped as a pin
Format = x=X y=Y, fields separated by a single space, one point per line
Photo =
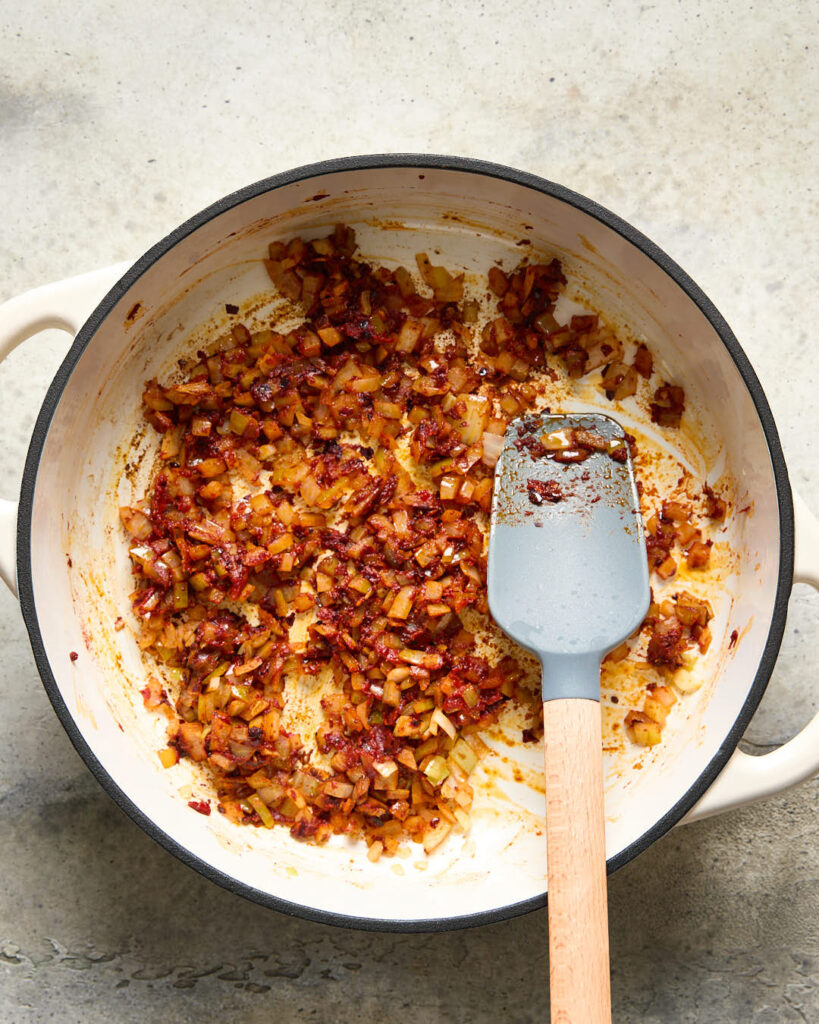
x=72 y=573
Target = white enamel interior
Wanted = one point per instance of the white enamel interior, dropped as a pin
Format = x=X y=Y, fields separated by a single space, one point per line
x=471 y=219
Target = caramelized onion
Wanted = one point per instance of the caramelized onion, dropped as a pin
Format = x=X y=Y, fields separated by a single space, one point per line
x=319 y=508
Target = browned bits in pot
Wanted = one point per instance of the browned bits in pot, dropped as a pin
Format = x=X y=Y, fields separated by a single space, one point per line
x=715 y=507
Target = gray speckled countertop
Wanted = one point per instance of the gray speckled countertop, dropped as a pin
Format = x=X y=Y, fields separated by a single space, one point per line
x=695 y=121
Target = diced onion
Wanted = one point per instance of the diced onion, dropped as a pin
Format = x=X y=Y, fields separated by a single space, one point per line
x=492 y=447
x=319 y=508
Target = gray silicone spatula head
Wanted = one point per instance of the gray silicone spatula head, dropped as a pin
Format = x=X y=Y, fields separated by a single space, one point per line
x=567 y=575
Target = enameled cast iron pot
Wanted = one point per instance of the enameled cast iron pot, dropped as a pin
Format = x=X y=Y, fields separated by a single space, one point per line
x=71 y=566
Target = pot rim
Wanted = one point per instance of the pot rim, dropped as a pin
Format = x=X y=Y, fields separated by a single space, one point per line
x=430 y=162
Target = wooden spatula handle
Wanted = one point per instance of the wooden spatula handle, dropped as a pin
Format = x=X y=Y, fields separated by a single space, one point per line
x=575 y=834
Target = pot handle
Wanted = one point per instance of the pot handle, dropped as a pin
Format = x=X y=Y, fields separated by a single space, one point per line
x=64 y=305
x=748 y=777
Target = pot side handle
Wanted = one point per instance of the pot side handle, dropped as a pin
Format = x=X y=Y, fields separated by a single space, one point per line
x=64 y=305
x=748 y=777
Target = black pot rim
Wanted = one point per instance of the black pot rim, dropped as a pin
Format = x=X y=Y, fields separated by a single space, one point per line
x=431 y=162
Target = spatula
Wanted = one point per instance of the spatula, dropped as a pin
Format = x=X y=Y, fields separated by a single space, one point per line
x=568 y=580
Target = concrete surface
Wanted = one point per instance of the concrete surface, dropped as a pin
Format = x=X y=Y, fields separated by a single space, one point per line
x=695 y=121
